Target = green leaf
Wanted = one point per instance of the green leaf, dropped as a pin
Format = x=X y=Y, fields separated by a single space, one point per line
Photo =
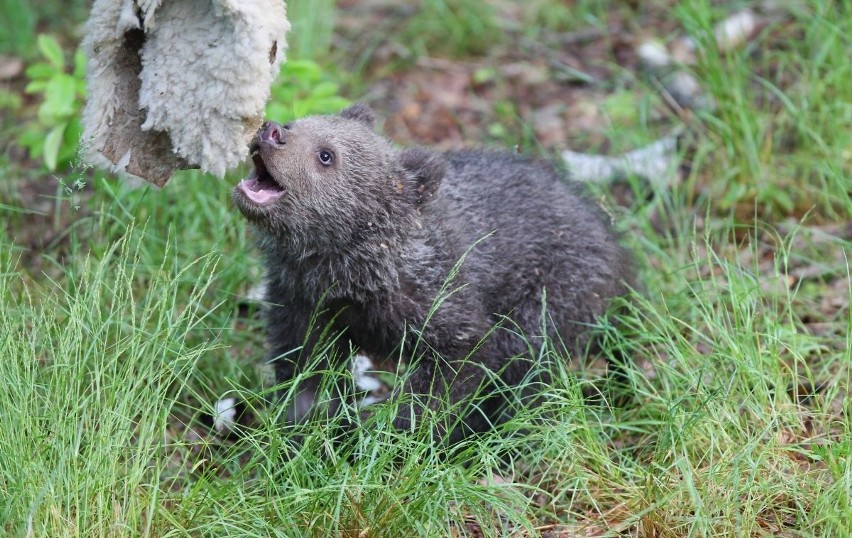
x=329 y=105
x=325 y=89
x=776 y=196
x=71 y=140
x=40 y=71
x=277 y=112
x=52 y=144
x=35 y=86
x=497 y=130
x=51 y=50
x=484 y=74
x=60 y=99
x=79 y=64
x=82 y=88
x=32 y=139
x=301 y=70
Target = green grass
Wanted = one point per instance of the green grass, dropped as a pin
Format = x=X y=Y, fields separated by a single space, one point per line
x=452 y=27
x=99 y=372
x=757 y=121
x=19 y=20
x=123 y=330
x=91 y=370
x=311 y=33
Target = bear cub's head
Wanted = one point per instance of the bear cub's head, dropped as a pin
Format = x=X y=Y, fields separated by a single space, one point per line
x=330 y=175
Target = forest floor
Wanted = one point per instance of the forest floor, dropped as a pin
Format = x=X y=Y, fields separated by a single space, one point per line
x=126 y=313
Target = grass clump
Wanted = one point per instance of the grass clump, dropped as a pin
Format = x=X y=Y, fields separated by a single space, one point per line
x=782 y=119
x=452 y=27
x=729 y=434
x=91 y=369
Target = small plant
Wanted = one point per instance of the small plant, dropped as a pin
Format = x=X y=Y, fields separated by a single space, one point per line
x=54 y=135
x=303 y=88
x=74 y=185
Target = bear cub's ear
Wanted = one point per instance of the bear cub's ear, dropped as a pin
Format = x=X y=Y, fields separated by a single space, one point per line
x=360 y=112
x=425 y=170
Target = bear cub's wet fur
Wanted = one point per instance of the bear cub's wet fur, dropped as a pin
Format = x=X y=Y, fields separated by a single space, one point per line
x=365 y=236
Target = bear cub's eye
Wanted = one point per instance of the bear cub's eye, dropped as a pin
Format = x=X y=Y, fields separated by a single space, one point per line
x=325 y=157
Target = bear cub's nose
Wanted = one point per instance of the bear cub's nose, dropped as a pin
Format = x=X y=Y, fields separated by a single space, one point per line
x=274 y=133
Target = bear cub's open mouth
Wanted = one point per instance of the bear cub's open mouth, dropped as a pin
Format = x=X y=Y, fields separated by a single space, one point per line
x=259 y=186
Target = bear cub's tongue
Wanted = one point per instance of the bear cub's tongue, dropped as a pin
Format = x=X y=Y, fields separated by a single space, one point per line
x=259 y=187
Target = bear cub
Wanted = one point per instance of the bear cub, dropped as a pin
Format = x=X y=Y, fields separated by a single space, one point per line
x=362 y=238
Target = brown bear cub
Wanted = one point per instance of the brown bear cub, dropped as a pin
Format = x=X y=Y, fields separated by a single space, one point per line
x=362 y=238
